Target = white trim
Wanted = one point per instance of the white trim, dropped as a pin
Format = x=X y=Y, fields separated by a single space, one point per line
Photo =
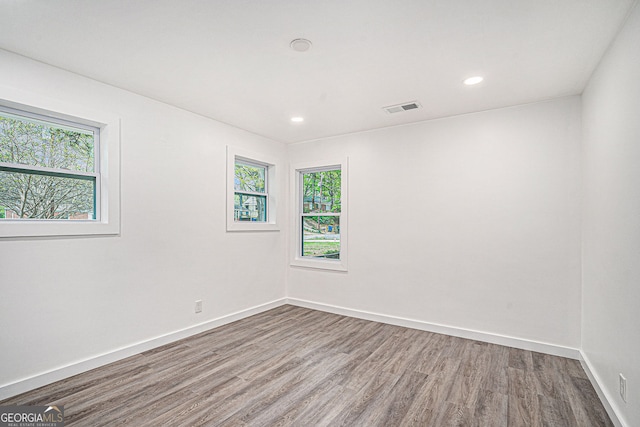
x=109 y=167
x=605 y=397
x=273 y=167
x=524 y=344
x=39 y=380
x=297 y=260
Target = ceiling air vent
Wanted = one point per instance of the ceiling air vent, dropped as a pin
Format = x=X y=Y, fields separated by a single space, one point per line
x=392 y=109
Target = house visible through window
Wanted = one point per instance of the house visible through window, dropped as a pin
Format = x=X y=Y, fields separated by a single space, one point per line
x=48 y=168
x=250 y=192
x=319 y=237
x=320 y=213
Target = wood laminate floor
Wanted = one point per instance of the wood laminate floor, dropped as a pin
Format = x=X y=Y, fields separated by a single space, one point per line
x=300 y=367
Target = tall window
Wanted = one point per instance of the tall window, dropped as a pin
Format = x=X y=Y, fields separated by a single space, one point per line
x=320 y=212
x=49 y=168
x=250 y=192
x=321 y=216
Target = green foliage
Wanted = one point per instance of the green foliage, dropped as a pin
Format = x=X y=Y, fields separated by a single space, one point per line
x=35 y=143
x=249 y=178
x=322 y=191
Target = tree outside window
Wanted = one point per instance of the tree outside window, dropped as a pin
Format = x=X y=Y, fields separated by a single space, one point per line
x=47 y=169
x=321 y=210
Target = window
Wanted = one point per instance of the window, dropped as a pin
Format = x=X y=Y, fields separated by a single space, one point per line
x=48 y=168
x=59 y=168
x=251 y=201
x=250 y=192
x=320 y=211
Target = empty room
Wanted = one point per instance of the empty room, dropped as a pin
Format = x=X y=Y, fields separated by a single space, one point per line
x=320 y=213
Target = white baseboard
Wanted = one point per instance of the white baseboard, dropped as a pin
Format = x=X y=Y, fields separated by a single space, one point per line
x=39 y=380
x=524 y=344
x=605 y=397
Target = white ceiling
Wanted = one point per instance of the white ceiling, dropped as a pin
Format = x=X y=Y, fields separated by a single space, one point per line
x=230 y=59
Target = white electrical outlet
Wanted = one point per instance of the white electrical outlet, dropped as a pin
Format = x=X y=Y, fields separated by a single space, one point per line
x=199 y=306
x=623 y=387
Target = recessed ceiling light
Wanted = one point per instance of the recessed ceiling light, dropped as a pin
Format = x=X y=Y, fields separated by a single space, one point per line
x=297 y=119
x=473 y=80
x=300 y=45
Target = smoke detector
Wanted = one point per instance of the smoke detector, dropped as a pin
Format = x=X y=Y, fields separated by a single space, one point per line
x=300 y=45
x=392 y=109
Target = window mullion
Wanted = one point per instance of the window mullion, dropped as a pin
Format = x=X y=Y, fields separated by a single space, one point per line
x=251 y=193
x=320 y=214
x=40 y=170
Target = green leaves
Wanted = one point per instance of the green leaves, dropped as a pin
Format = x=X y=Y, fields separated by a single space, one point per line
x=249 y=178
x=322 y=191
x=31 y=142
x=35 y=143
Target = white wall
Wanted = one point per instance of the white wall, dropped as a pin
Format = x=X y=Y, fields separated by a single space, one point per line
x=471 y=222
x=68 y=299
x=611 y=229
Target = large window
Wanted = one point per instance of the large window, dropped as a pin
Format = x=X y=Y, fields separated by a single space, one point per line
x=48 y=168
x=251 y=191
x=320 y=195
x=59 y=167
x=320 y=213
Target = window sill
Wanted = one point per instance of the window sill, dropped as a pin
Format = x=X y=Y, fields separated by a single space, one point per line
x=319 y=264
x=252 y=226
x=51 y=228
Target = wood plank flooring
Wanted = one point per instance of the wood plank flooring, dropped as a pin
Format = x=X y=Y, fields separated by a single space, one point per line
x=291 y=366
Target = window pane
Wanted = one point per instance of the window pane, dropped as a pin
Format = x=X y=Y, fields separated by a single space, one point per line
x=249 y=178
x=250 y=208
x=321 y=237
x=33 y=142
x=321 y=191
x=45 y=197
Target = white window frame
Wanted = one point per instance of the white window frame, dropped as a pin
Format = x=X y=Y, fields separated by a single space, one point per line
x=62 y=173
x=297 y=170
x=107 y=171
x=271 y=167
